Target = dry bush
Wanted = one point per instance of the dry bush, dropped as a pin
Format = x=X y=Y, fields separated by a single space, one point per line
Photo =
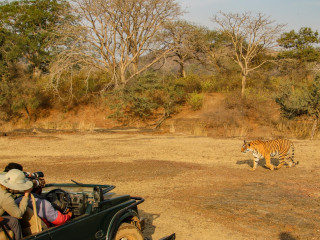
x=256 y=107
x=300 y=128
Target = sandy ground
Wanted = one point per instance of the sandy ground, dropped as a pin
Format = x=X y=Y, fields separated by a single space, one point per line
x=197 y=187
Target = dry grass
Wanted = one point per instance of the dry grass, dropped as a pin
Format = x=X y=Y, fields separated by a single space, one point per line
x=198 y=187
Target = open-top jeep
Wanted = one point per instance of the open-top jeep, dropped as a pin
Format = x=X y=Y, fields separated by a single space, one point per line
x=98 y=213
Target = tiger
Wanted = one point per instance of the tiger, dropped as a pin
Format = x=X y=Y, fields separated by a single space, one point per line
x=266 y=149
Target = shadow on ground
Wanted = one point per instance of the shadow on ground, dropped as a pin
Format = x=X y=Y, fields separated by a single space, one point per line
x=262 y=162
x=286 y=236
x=149 y=227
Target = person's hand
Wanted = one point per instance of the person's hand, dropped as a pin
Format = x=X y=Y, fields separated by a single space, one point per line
x=69 y=212
x=27 y=192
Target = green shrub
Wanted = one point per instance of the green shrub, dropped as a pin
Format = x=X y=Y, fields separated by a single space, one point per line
x=20 y=96
x=138 y=99
x=208 y=85
x=191 y=83
x=195 y=100
x=295 y=101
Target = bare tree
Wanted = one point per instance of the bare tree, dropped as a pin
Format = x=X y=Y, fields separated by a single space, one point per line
x=250 y=35
x=120 y=32
x=189 y=41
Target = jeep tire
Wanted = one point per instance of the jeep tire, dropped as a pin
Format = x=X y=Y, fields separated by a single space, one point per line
x=128 y=231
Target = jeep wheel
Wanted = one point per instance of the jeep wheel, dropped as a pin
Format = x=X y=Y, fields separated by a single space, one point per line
x=128 y=231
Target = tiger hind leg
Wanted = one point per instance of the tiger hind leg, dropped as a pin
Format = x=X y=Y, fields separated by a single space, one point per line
x=292 y=163
x=282 y=162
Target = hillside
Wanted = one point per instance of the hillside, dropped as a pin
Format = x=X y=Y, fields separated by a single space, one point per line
x=220 y=116
x=225 y=117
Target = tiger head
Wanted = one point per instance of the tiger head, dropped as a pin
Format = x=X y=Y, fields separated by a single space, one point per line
x=246 y=147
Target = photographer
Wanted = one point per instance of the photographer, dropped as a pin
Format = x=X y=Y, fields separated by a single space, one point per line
x=45 y=210
x=14 y=180
x=36 y=178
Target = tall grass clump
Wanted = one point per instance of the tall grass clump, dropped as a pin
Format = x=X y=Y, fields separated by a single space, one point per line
x=195 y=100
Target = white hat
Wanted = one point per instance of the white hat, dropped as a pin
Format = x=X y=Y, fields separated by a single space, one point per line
x=15 y=180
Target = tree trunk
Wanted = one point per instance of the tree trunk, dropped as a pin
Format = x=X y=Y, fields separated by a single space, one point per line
x=314 y=127
x=243 y=84
x=135 y=63
x=123 y=80
x=27 y=111
x=182 y=70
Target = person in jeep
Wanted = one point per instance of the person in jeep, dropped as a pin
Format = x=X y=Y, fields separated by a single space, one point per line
x=45 y=210
x=14 y=180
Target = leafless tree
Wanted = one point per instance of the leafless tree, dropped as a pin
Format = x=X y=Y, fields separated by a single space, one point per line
x=189 y=42
x=120 y=32
x=72 y=56
x=250 y=35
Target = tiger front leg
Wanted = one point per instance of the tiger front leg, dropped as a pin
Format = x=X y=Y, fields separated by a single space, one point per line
x=268 y=163
x=255 y=164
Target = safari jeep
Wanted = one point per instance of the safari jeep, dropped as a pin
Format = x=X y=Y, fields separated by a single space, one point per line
x=98 y=213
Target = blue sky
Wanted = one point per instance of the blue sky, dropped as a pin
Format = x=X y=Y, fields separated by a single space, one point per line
x=294 y=13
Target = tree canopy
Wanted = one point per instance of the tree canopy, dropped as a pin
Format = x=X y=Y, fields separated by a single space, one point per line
x=188 y=41
x=28 y=31
x=119 y=33
x=250 y=35
x=300 y=45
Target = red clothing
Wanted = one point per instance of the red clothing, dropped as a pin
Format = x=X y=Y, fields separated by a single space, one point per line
x=61 y=219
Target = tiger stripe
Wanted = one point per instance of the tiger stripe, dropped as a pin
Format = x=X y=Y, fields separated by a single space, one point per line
x=267 y=149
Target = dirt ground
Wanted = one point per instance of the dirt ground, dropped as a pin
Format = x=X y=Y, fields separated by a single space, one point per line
x=197 y=187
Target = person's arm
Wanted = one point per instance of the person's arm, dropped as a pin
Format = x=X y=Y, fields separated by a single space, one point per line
x=12 y=208
x=61 y=219
x=49 y=213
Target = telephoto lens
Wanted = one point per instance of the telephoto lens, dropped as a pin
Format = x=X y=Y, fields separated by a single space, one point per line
x=34 y=175
x=37 y=174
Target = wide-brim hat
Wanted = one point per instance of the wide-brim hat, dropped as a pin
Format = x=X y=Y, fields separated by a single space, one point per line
x=15 y=180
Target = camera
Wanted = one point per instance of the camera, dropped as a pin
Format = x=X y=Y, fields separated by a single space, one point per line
x=37 y=179
x=34 y=175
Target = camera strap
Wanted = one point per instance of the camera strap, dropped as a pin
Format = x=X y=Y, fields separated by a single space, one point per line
x=34 y=206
